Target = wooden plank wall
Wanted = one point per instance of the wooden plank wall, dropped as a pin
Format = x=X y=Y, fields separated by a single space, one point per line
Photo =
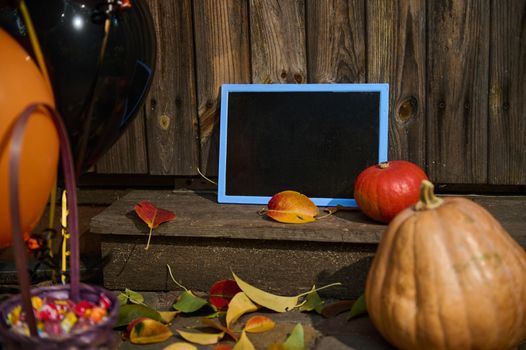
x=456 y=69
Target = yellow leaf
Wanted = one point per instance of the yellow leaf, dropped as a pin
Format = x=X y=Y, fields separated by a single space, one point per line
x=289 y=217
x=180 y=346
x=270 y=301
x=168 y=316
x=259 y=324
x=244 y=343
x=201 y=338
x=292 y=207
x=148 y=331
x=239 y=305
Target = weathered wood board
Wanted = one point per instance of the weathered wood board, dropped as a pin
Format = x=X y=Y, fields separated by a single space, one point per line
x=456 y=73
x=507 y=110
x=171 y=118
x=396 y=55
x=222 y=41
x=457 y=88
x=207 y=241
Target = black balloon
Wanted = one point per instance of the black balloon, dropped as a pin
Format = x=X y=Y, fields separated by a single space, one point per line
x=71 y=33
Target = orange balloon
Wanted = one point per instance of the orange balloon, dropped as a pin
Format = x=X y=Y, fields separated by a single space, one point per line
x=21 y=84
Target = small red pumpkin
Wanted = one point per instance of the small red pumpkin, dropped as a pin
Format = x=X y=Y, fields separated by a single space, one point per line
x=383 y=190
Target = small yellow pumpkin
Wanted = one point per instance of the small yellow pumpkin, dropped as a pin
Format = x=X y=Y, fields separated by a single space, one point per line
x=447 y=275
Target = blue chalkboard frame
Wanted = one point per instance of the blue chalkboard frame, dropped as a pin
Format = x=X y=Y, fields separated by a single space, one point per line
x=226 y=89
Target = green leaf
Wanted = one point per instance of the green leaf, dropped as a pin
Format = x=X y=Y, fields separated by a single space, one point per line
x=122 y=298
x=134 y=297
x=130 y=312
x=358 y=308
x=188 y=302
x=313 y=302
x=296 y=339
x=131 y=296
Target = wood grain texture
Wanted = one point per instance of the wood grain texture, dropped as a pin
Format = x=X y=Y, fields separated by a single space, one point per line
x=458 y=76
x=278 y=52
x=223 y=56
x=199 y=215
x=336 y=41
x=507 y=108
x=198 y=263
x=396 y=54
x=128 y=154
x=171 y=112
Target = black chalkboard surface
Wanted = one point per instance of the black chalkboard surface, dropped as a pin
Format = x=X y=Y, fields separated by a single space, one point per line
x=311 y=138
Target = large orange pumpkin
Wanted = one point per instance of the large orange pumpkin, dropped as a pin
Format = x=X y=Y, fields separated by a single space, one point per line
x=446 y=275
x=20 y=85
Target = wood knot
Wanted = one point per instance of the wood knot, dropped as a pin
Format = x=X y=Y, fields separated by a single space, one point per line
x=283 y=74
x=153 y=104
x=407 y=109
x=164 y=121
x=298 y=78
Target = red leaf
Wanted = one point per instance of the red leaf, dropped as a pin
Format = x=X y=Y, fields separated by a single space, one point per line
x=152 y=215
x=222 y=292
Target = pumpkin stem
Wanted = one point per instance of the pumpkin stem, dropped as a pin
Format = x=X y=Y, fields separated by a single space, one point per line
x=383 y=165
x=428 y=200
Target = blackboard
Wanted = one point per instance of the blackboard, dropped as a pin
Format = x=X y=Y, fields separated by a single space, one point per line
x=311 y=138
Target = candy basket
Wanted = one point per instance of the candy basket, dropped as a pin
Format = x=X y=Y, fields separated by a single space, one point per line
x=98 y=336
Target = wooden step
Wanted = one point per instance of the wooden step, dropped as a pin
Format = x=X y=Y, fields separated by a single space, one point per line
x=208 y=240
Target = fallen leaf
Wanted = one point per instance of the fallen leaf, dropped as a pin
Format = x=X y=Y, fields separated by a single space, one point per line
x=259 y=324
x=168 y=316
x=222 y=347
x=215 y=324
x=148 y=331
x=180 y=346
x=336 y=308
x=188 y=302
x=239 y=305
x=313 y=302
x=292 y=207
x=131 y=296
x=358 y=308
x=270 y=301
x=296 y=339
x=244 y=343
x=222 y=292
x=275 y=346
x=152 y=216
x=129 y=312
x=216 y=314
x=201 y=338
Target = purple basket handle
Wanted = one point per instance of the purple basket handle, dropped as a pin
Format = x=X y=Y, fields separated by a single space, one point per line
x=17 y=134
